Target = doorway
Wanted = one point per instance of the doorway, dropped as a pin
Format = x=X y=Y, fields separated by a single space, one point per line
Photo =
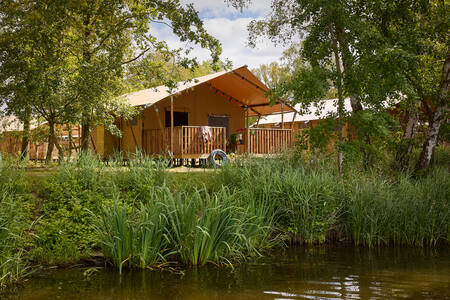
x=180 y=118
x=220 y=121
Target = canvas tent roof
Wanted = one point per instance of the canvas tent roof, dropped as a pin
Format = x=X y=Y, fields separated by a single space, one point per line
x=12 y=123
x=238 y=85
x=315 y=114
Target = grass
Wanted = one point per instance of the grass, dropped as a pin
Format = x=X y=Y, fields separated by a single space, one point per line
x=401 y=212
x=15 y=223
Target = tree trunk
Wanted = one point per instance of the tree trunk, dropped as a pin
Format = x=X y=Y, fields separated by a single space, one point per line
x=407 y=144
x=87 y=60
x=355 y=103
x=69 y=130
x=60 y=151
x=340 y=156
x=85 y=136
x=51 y=143
x=438 y=116
x=25 y=138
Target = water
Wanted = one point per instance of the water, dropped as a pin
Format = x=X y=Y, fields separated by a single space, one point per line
x=300 y=273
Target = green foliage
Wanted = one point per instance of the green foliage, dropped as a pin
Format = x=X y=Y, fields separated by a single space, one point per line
x=318 y=137
x=400 y=212
x=139 y=216
x=80 y=190
x=131 y=237
x=191 y=227
x=307 y=203
x=69 y=62
x=15 y=223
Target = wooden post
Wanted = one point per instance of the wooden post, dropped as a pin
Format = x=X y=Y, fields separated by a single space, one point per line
x=224 y=139
x=248 y=130
x=120 y=138
x=293 y=120
x=282 y=114
x=171 y=124
x=158 y=117
x=292 y=126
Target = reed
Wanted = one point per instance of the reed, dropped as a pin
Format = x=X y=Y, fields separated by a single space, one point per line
x=308 y=203
x=203 y=228
x=13 y=266
x=130 y=237
x=405 y=211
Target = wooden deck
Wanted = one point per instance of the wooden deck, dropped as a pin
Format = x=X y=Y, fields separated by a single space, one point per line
x=186 y=141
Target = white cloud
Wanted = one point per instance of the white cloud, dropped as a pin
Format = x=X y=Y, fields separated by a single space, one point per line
x=219 y=8
x=229 y=26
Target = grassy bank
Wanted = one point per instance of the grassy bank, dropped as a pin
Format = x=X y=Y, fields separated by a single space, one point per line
x=141 y=216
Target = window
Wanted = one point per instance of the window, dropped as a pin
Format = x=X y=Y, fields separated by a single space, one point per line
x=180 y=118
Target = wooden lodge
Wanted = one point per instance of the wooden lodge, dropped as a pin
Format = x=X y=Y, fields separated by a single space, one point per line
x=220 y=106
x=189 y=122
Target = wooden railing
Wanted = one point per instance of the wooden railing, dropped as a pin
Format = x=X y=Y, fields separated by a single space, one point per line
x=268 y=140
x=186 y=141
x=192 y=144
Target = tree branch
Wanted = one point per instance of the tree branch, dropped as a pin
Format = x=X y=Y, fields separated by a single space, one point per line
x=137 y=57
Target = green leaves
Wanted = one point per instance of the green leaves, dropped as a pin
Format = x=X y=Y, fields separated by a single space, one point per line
x=68 y=61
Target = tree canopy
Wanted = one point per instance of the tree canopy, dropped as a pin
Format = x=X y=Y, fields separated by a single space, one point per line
x=67 y=61
x=377 y=53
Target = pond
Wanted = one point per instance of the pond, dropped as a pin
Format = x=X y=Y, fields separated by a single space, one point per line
x=296 y=273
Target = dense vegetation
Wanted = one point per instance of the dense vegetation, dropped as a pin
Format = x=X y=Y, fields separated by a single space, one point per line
x=141 y=216
x=67 y=63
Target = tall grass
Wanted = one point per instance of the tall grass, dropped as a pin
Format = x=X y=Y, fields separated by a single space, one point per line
x=12 y=263
x=308 y=202
x=132 y=237
x=15 y=220
x=193 y=228
x=401 y=212
x=368 y=208
x=144 y=217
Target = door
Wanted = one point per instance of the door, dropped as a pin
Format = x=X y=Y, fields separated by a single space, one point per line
x=220 y=121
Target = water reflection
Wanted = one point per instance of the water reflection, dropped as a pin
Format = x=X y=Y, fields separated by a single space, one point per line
x=302 y=273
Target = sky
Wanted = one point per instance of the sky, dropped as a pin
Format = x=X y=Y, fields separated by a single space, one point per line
x=229 y=26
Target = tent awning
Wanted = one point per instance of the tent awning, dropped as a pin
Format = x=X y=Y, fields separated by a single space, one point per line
x=239 y=86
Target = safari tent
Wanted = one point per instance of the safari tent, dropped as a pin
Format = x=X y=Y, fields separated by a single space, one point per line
x=198 y=116
x=298 y=121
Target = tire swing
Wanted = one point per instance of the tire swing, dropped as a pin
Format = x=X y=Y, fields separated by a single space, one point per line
x=218 y=158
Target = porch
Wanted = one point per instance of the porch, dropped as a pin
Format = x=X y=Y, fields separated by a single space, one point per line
x=185 y=142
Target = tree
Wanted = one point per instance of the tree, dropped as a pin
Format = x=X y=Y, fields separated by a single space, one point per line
x=417 y=51
x=271 y=74
x=162 y=68
x=35 y=69
x=105 y=36
x=374 y=52
x=326 y=27
x=67 y=60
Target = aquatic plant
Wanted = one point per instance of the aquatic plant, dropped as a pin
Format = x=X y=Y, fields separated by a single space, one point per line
x=414 y=212
x=15 y=220
x=131 y=237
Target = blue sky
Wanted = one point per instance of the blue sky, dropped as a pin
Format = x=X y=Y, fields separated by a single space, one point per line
x=229 y=26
